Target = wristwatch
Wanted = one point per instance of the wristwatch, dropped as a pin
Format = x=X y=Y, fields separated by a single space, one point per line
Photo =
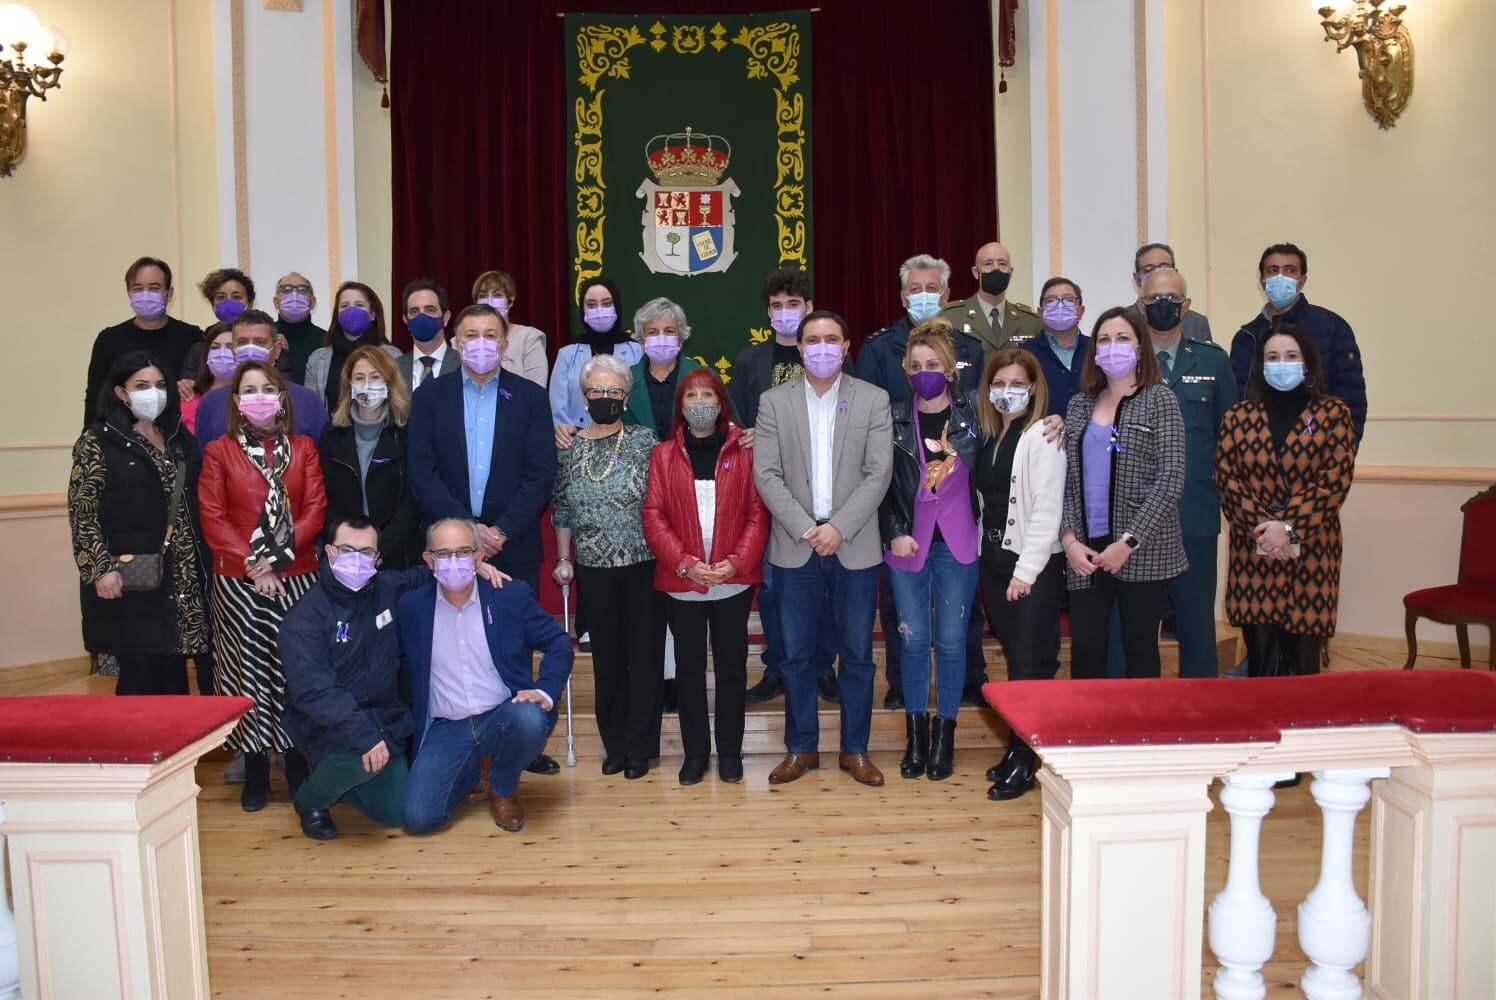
x=1130 y=539
x=1293 y=536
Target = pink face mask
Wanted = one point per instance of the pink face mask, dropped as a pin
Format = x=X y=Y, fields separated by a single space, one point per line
x=481 y=356
x=259 y=410
x=354 y=569
x=1117 y=360
x=498 y=303
x=455 y=573
x=661 y=348
x=823 y=360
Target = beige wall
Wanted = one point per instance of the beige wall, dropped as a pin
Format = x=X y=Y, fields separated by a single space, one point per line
x=1014 y=191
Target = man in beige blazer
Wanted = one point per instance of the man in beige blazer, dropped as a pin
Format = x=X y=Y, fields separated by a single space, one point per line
x=822 y=458
x=989 y=315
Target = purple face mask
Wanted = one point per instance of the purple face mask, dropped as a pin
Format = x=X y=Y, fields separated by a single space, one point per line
x=928 y=385
x=294 y=307
x=662 y=348
x=600 y=319
x=481 y=356
x=1117 y=360
x=455 y=573
x=354 y=569
x=251 y=352
x=228 y=310
x=148 y=305
x=822 y=360
x=786 y=321
x=1059 y=316
x=498 y=303
x=355 y=320
x=221 y=362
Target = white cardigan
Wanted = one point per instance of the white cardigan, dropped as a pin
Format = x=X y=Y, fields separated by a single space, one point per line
x=1036 y=503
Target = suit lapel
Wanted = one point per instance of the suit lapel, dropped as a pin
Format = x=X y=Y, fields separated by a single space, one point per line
x=976 y=318
x=765 y=366
x=501 y=397
x=451 y=360
x=802 y=423
x=843 y=408
x=459 y=413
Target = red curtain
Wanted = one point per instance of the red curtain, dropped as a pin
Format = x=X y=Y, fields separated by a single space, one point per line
x=902 y=138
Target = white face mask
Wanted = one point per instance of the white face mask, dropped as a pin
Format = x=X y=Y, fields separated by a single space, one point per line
x=147 y=404
x=1011 y=400
x=371 y=394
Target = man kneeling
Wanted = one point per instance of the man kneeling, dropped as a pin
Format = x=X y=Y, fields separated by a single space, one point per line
x=342 y=661
x=469 y=649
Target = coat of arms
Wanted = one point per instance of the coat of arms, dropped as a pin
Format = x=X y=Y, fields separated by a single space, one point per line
x=687 y=215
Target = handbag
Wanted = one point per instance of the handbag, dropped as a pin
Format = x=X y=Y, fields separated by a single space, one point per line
x=145 y=570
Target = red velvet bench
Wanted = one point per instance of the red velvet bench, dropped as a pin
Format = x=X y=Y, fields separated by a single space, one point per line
x=98 y=800
x=1127 y=767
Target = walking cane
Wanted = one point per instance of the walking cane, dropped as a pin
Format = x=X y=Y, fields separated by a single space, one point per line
x=571 y=739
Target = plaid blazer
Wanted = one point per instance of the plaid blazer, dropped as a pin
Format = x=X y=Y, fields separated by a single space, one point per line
x=1147 y=482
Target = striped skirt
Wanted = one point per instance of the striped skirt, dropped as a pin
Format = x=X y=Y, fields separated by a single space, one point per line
x=246 y=661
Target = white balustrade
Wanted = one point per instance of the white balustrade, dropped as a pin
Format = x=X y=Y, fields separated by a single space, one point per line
x=1241 y=920
x=10 y=968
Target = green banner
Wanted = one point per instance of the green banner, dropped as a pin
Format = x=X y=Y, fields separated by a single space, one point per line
x=691 y=173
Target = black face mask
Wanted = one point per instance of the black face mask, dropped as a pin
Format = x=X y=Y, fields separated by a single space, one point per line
x=1163 y=315
x=605 y=410
x=995 y=282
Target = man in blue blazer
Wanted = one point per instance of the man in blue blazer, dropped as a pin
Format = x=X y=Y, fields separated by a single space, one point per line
x=468 y=649
x=482 y=446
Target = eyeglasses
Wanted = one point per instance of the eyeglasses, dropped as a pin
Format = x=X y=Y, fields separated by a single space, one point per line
x=1150 y=268
x=348 y=550
x=288 y=289
x=595 y=393
x=464 y=553
x=1069 y=300
x=1148 y=300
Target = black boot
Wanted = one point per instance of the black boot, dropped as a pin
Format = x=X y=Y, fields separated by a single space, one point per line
x=942 y=748
x=1002 y=767
x=1017 y=776
x=916 y=744
x=256 y=791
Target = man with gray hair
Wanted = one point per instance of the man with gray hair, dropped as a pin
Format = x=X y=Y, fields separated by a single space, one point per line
x=989 y=315
x=924 y=284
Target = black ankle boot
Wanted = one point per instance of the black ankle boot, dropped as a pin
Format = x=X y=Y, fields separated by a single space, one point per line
x=256 y=790
x=1017 y=777
x=1002 y=767
x=942 y=749
x=916 y=744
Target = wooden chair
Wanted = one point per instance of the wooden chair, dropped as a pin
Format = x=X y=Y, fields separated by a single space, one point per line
x=1471 y=601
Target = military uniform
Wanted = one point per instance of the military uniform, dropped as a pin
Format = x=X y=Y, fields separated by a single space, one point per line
x=880 y=360
x=1019 y=323
x=1202 y=381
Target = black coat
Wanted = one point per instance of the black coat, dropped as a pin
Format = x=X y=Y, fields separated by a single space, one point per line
x=896 y=512
x=392 y=505
x=132 y=517
x=342 y=666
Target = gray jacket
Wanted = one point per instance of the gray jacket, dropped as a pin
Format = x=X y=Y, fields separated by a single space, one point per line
x=1147 y=482
x=862 y=446
x=319 y=364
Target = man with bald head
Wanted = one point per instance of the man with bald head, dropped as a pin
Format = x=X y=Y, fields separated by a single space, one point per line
x=989 y=315
x=1199 y=372
x=294 y=302
x=1160 y=256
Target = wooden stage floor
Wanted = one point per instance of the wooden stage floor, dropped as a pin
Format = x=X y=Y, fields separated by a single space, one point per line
x=619 y=889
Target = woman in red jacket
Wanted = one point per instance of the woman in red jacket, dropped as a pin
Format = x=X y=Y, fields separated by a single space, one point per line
x=707 y=527
x=262 y=505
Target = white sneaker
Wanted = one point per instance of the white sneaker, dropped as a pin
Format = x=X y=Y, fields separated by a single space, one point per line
x=584 y=644
x=233 y=773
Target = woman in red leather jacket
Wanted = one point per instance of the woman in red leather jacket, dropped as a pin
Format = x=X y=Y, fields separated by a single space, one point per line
x=262 y=505
x=707 y=527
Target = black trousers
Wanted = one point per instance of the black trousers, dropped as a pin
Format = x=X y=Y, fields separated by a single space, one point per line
x=628 y=652
x=1023 y=627
x=1274 y=651
x=149 y=673
x=526 y=571
x=893 y=660
x=727 y=620
x=1141 y=606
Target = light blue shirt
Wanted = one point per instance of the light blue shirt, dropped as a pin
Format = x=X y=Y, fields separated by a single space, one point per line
x=464 y=681
x=567 y=404
x=480 y=413
x=1065 y=354
x=1172 y=351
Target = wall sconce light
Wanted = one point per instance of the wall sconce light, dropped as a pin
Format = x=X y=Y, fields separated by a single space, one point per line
x=1384 y=52
x=20 y=31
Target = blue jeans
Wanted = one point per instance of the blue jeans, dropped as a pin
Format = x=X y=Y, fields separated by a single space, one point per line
x=768 y=617
x=951 y=585
x=802 y=595
x=446 y=766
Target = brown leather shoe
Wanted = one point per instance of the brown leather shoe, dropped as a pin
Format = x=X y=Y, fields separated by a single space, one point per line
x=794 y=766
x=860 y=768
x=507 y=812
x=480 y=790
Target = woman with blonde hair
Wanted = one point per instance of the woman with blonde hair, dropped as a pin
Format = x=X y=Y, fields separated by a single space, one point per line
x=928 y=520
x=1021 y=479
x=525 y=355
x=364 y=451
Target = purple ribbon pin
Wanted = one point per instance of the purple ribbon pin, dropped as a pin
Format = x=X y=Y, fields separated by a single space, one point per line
x=726 y=465
x=506 y=394
x=490 y=614
x=843 y=406
x=1115 y=444
x=380 y=461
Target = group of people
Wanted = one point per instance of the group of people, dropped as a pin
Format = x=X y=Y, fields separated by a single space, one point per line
x=304 y=513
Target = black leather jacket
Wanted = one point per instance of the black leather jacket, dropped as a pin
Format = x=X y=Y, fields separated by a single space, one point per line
x=896 y=512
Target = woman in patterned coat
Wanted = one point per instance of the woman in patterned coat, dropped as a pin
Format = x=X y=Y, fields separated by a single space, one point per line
x=1284 y=465
x=601 y=481
x=1123 y=480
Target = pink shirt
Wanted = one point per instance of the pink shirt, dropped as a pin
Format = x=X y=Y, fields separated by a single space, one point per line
x=464 y=681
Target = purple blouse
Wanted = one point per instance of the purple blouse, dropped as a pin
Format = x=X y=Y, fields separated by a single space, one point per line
x=1096 y=478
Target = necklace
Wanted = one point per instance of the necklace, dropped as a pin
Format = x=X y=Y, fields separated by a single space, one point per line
x=594 y=448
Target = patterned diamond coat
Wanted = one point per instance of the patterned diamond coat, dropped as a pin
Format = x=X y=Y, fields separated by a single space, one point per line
x=1305 y=485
